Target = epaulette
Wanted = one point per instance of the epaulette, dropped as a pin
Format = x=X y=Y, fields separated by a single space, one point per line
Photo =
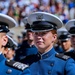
x=16 y=65
x=62 y=56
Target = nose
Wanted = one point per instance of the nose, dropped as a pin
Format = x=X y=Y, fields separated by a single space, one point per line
x=38 y=35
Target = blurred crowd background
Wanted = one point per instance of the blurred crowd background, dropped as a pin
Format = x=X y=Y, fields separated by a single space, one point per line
x=18 y=9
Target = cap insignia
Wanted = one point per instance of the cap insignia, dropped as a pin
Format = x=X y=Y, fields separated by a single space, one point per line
x=39 y=17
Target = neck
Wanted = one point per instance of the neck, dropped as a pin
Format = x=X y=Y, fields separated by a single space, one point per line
x=44 y=50
x=30 y=42
x=69 y=49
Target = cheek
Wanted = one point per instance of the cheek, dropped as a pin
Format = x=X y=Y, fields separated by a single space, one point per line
x=48 y=39
x=9 y=53
x=34 y=37
x=72 y=40
x=69 y=43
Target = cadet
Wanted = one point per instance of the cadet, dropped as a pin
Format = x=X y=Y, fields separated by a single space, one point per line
x=27 y=48
x=8 y=66
x=65 y=42
x=10 y=47
x=44 y=26
x=57 y=45
x=70 y=26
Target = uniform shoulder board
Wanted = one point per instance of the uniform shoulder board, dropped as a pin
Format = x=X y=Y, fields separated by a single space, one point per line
x=62 y=56
x=16 y=65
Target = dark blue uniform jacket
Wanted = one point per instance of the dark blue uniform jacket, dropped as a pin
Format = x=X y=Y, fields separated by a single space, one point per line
x=52 y=64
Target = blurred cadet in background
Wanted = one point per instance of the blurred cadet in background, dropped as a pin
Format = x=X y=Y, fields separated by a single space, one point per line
x=57 y=45
x=9 y=66
x=19 y=40
x=27 y=48
x=10 y=47
x=65 y=41
x=70 y=26
x=24 y=35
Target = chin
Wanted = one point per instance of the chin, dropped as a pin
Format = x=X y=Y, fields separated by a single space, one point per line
x=39 y=47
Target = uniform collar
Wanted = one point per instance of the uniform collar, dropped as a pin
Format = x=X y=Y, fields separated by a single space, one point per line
x=48 y=54
x=1 y=57
x=0 y=53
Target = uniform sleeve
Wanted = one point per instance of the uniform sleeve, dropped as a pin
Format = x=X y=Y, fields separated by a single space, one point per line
x=70 y=67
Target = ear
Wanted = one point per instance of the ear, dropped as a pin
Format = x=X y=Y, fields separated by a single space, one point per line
x=55 y=37
x=4 y=40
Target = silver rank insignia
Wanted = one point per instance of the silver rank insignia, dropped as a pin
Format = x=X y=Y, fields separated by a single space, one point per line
x=16 y=65
x=62 y=56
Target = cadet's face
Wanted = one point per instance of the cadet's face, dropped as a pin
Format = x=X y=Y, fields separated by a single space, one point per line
x=44 y=40
x=30 y=35
x=73 y=40
x=66 y=45
x=10 y=54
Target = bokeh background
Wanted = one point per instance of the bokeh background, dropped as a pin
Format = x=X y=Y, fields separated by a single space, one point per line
x=18 y=9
